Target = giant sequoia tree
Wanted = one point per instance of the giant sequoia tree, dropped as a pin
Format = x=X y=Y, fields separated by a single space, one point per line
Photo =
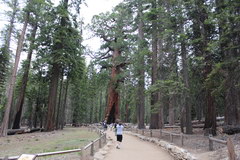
x=113 y=28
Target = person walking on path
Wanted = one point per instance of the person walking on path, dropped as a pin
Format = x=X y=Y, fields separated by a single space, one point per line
x=134 y=148
x=119 y=133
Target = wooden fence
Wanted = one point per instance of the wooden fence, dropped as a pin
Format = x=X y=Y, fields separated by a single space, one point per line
x=93 y=145
x=231 y=151
x=150 y=132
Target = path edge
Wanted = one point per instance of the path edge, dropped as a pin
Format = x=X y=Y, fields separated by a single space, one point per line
x=177 y=152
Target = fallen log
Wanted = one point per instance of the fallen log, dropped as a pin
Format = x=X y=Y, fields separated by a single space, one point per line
x=228 y=129
x=36 y=130
x=15 y=131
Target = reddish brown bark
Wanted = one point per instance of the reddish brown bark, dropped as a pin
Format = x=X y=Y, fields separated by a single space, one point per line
x=52 y=98
x=112 y=111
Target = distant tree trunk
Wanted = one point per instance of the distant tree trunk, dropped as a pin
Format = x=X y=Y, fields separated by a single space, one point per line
x=63 y=115
x=172 y=105
x=4 y=127
x=100 y=106
x=127 y=112
x=91 y=111
x=154 y=120
x=141 y=72
x=20 y=100
x=112 y=111
x=59 y=102
x=186 y=93
x=52 y=98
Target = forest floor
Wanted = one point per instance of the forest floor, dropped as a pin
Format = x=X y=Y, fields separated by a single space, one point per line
x=39 y=142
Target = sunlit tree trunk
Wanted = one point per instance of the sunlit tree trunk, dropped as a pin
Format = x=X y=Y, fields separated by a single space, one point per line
x=4 y=127
x=20 y=100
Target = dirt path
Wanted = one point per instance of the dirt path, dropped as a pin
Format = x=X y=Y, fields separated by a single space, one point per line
x=133 y=148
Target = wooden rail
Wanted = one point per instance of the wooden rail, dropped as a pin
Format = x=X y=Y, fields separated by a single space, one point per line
x=161 y=132
x=231 y=151
x=91 y=145
x=229 y=143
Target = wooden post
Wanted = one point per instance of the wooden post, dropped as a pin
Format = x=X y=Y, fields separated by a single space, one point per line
x=150 y=133
x=210 y=143
x=142 y=131
x=160 y=133
x=105 y=138
x=181 y=139
x=231 y=151
x=171 y=137
x=92 y=148
x=137 y=130
x=82 y=154
x=100 y=142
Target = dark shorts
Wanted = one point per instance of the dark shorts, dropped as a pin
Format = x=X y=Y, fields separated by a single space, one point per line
x=119 y=138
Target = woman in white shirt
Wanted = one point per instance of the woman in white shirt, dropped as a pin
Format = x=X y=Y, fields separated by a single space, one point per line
x=119 y=134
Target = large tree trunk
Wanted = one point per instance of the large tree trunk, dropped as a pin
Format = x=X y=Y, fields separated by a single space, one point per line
x=52 y=98
x=4 y=127
x=232 y=98
x=141 y=72
x=112 y=111
x=20 y=100
x=56 y=69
